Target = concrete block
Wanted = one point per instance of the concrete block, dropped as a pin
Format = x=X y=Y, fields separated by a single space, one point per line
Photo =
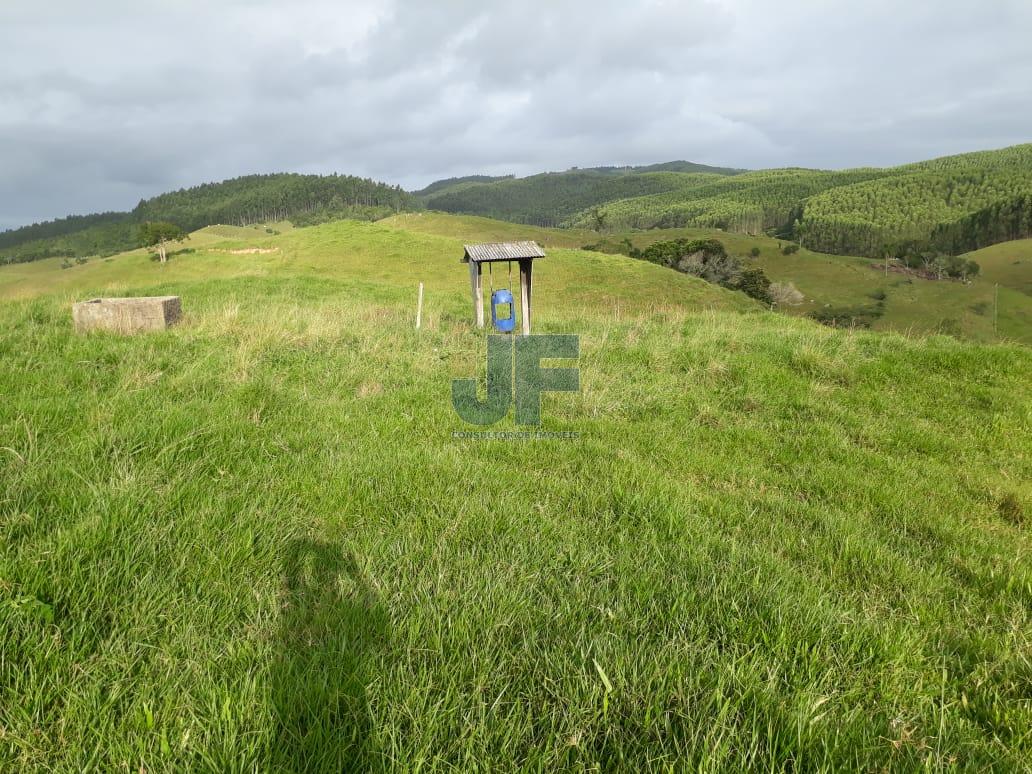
x=126 y=315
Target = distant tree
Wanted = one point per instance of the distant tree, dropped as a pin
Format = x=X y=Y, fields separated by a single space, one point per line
x=755 y=284
x=784 y=294
x=956 y=267
x=598 y=219
x=673 y=252
x=160 y=235
x=755 y=252
x=703 y=258
x=720 y=269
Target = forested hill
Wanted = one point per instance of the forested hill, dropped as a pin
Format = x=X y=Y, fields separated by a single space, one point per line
x=550 y=198
x=957 y=203
x=455 y=183
x=302 y=199
x=953 y=204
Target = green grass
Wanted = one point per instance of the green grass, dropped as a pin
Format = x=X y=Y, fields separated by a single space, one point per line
x=473 y=228
x=253 y=543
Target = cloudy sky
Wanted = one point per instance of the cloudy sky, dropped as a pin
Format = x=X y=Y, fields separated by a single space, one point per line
x=103 y=103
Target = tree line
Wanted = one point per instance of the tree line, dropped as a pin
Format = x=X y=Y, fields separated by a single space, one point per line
x=1001 y=221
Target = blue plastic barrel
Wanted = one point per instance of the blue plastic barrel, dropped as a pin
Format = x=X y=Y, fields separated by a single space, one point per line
x=499 y=299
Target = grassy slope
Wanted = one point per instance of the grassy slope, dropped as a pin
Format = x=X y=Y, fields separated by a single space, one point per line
x=1008 y=263
x=473 y=228
x=263 y=548
x=394 y=255
x=912 y=304
x=110 y=276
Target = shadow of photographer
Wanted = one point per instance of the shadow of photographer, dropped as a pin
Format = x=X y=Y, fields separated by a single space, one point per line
x=330 y=626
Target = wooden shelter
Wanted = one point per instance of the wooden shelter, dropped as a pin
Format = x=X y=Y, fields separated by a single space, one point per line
x=523 y=253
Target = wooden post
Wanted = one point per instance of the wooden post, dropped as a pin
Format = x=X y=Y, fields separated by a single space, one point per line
x=478 y=295
x=419 y=307
x=996 y=309
x=526 y=272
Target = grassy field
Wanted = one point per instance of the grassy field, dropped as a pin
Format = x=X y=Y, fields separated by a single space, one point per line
x=252 y=542
x=909 y=304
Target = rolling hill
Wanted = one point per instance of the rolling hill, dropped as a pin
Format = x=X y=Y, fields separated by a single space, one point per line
x=303 y=199
x=852 y=289
x=922 y=202
x=749 y=203
x=260 y=541
x=995 y=305
x=548 y=199
x=954 y=204
x=450 y=184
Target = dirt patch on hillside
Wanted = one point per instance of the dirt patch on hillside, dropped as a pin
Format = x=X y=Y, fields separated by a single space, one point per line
x=250 y=251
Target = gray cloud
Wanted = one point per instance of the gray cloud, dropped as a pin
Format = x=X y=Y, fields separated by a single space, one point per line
x=102 y=104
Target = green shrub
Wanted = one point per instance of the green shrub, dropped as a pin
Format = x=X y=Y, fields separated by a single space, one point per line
x=847 y=317
x=755 y=284
x=670 y=253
